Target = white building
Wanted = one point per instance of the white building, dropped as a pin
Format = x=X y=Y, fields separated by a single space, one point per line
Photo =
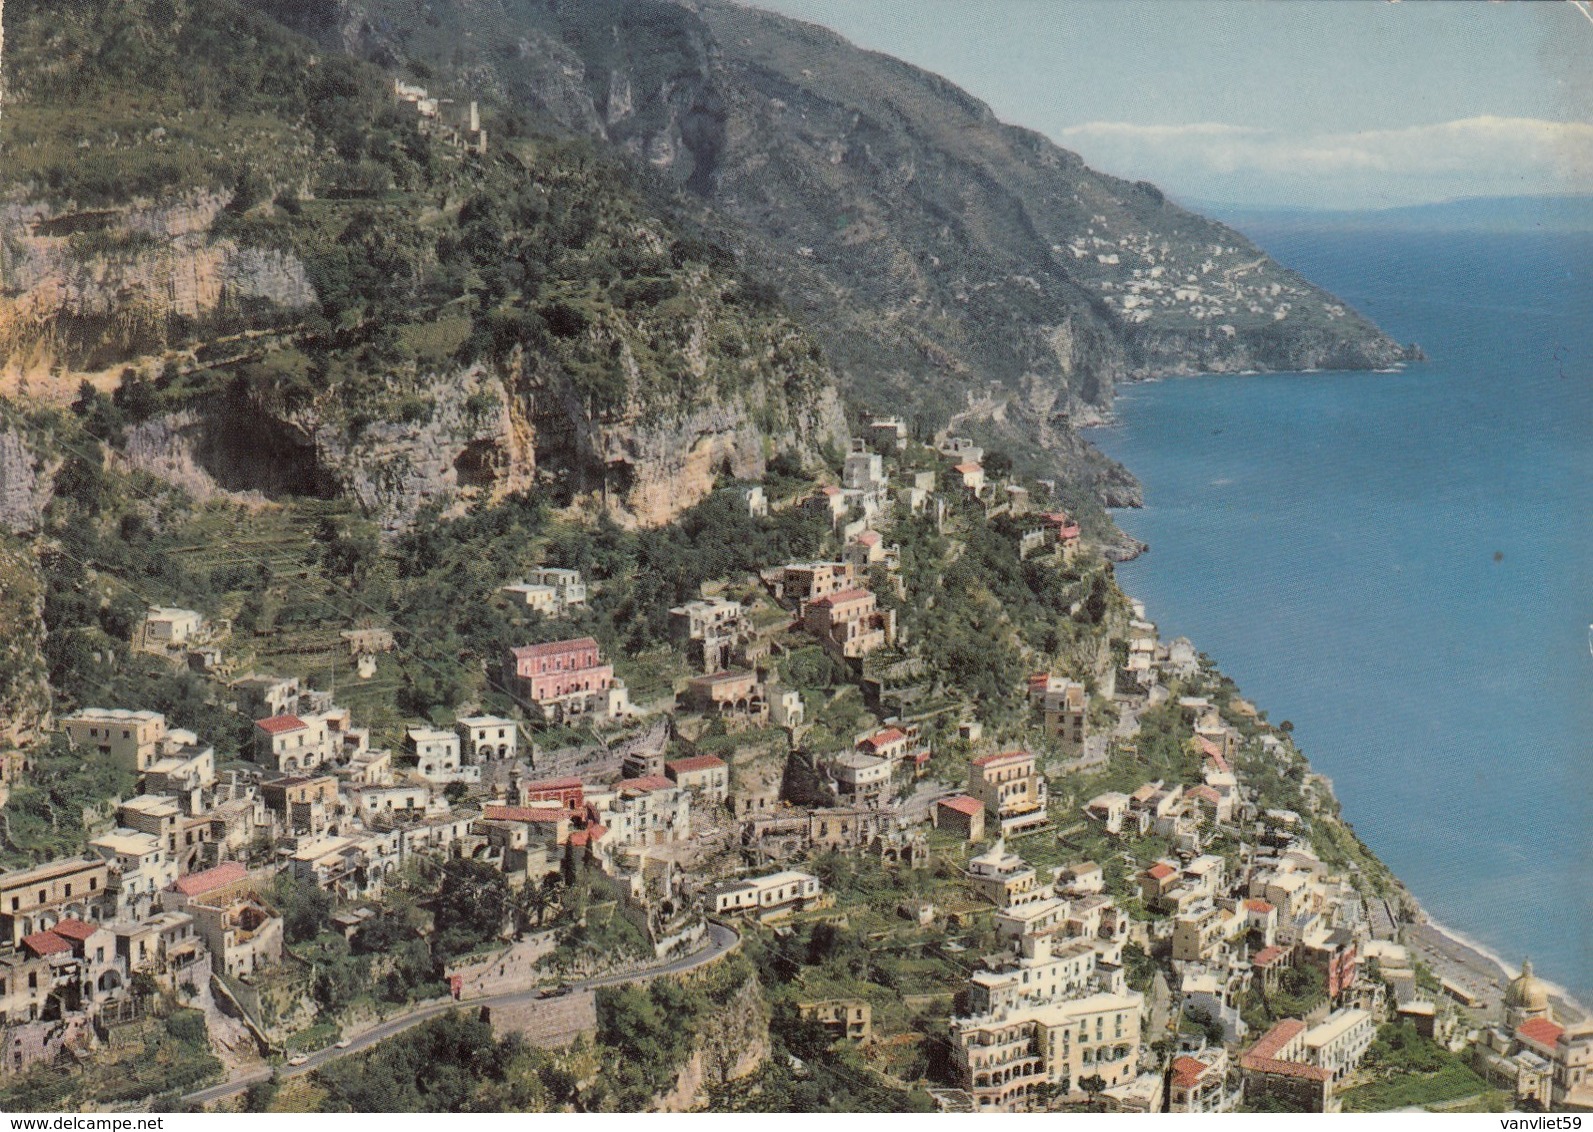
x=763 y=895
x=488 y=738
x=1340 y=1041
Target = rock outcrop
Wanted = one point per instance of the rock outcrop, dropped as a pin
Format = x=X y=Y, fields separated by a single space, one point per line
x=91 y=288
x=732 y=1045
x=24 y=483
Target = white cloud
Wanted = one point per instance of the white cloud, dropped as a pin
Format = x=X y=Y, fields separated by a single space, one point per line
x=1468 y=156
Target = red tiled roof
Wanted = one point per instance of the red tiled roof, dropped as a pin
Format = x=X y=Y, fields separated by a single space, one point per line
x=1281 y=1034
x=1205 y=793
x=646 y=783
x=1187 y=1071
x=1039 y=680
x=553 y=648
x=524 y=813
x=1261 y=906
x=966 y=468
x=46 y=943
x=1160 y=871
x=922 y=757
x=596 y=831
x=853 y=594
x=74 y=929
x=280 y=724
x=1284 y=1068
x=831 y=489
x=1267 y=956
x=1539 y=1030
x=570 y=783
x=868 y=538
x=990 y=760
x=883 y=738
x=1057 y=518
x=579 y=838
x=197 y=884
x=696 y=762
x=963 y=804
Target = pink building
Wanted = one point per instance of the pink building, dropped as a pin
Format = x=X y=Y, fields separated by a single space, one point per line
x=565 y=678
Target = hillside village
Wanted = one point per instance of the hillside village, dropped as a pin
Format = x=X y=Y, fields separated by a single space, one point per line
x=1110 y=884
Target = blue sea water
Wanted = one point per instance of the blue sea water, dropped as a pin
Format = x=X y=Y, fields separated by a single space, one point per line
x=1402 y=565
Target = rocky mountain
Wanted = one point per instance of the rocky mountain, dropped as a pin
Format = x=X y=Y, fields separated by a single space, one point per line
x=934 y=250
x=295 y=283
x=693 y=224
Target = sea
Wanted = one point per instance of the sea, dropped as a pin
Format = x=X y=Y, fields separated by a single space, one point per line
x=1401 y=564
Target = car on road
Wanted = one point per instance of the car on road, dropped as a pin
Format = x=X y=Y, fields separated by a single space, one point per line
x=553 y=992
x=298 y=1059
x=342 y=1043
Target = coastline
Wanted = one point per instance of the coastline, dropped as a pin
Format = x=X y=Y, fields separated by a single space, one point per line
x=1478 y=964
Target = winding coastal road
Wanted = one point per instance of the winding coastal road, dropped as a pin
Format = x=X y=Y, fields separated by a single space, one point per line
x=721 y=940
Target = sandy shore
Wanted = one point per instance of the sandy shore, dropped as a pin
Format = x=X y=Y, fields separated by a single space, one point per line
x=1472 y=968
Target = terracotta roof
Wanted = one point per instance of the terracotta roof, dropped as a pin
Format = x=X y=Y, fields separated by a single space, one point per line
x=46 y=943
x=570 y=783
x=1187 y=1071
x=1539 y=1030
x=1261 y=906
x=1281 y=1034
x=883 y=738
x=1284 y=1068
x=963 y=804
x=922 y=757
x=579 y=838
x=1160 y=871
x=989 y=760
x=1057 y=518
x=280 y=724
x=553 y=648
x=697 y=762
x=596 y=831
x=853 y=594
x=831 y=490
x=646 y=783
x=868 y=538
x=1267 y=956
x=966 y=468
x=74 y=929
x=1205 y=793
x=197 y=884
x=524 y=813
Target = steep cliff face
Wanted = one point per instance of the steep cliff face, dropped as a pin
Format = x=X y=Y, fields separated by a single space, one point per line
x=88 y=288
x=930 y=248
x=733 y=1044
x=24 y=482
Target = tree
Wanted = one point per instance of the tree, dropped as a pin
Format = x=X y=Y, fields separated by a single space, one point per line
x=1093 y=1086
x=306 y=910
x=471 y=906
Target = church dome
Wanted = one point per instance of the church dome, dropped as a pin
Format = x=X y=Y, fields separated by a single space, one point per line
x=1527 y=992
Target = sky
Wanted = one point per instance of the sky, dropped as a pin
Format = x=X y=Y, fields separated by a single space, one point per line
x=1270 y=103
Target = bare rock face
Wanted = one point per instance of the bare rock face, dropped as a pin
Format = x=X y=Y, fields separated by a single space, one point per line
x=91 y=288
x=655 y=469
x=24 y=484
x=469 y=444
x=24 y=680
